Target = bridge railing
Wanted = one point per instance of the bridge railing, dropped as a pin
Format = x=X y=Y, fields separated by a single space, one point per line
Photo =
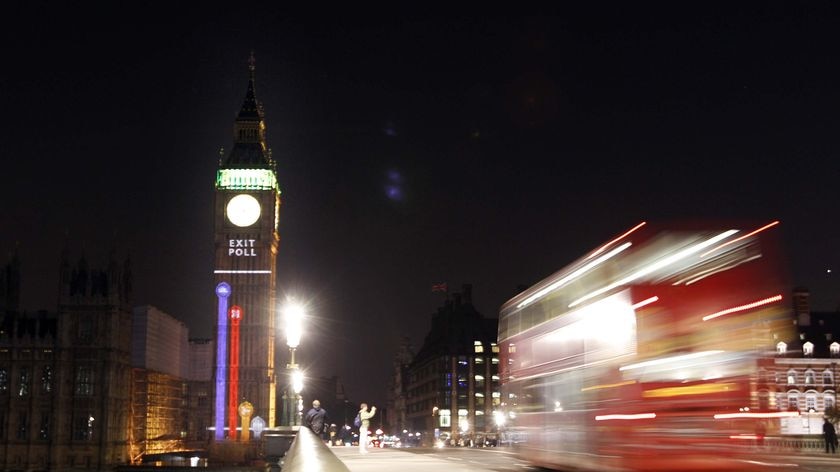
x=309 y=453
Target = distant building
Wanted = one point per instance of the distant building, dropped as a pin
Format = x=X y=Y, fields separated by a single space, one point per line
x=803 y=374
x=453 y=381
x=200 y=391
x=397 y=420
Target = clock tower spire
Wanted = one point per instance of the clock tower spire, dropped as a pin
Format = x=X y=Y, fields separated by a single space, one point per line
x=247 y=207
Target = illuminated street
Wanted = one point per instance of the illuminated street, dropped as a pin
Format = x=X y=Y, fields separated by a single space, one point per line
x=502 y=460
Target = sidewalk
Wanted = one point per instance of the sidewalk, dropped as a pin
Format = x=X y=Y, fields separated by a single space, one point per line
x=389 y=460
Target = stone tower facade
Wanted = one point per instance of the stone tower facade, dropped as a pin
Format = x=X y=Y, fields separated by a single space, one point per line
x=247 y=205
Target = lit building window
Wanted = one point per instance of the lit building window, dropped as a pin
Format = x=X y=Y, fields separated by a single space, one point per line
x=808 y=349
x=479 y=360
x=828 y=401
x=84 y=381
x=793 y=401
x=478 y=347
x=801 y=336
x=810 y=378
x=495 y=348
x=494 y=360
x=791 y=377
x=479 y=381
x=811 y=402
x=445 y=418
x=781 y=348
x=47 y=379
x=23 y=388
x=835 y=349
x=780 y=401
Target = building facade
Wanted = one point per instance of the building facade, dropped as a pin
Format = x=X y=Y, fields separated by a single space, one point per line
x=65 y=377
x=453 y=382
x=802 y=376
x=247 y=206
x=159 y=359
x=397 y=421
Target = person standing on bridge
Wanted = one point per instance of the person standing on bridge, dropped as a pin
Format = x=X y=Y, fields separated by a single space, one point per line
x=364 y=417
x=830 y=436
x=316 y=419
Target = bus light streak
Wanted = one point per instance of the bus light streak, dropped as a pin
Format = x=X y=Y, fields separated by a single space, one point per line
x=777 y=414
x=768 y=226
x=599 y=387
x=748 y=306
x=605 y=246
x=669 y=360
x=573 y=275
x=647 y=302
x=703 y=389
x=656 y=266
x=639 y=416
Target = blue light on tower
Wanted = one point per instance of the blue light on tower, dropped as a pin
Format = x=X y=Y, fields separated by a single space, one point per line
x=222 y=292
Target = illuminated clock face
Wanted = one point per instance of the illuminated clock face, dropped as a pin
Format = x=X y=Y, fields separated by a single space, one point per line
x=243 y=210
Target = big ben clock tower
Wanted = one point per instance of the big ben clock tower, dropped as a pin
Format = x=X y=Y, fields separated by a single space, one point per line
x=247 y=206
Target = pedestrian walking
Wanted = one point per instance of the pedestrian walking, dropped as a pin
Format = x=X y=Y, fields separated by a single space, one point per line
x=316 y=419
x=830 y=436
x=364 y=417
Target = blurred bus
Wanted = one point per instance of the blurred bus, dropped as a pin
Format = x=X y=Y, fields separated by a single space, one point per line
x=643 y=354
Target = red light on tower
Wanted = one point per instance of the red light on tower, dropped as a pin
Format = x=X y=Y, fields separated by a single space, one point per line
x=233 y=377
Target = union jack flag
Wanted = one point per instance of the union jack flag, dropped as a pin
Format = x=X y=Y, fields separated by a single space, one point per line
x=439 y=287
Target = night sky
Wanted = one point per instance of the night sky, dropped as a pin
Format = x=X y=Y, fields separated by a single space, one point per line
x=412 y=150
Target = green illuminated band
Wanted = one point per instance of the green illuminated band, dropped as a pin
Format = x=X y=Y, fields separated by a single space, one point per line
x=246 y=179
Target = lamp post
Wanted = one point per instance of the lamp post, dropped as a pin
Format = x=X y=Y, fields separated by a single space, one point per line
x=292 y=404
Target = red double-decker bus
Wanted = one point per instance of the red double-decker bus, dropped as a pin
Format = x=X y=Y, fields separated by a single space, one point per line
x=643 y=354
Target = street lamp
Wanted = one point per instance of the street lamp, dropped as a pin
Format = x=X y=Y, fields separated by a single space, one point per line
x=293 y=314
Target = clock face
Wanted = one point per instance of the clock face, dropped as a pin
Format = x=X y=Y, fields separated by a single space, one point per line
x=243 y=210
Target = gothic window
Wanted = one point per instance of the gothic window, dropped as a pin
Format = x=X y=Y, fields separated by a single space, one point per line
x=808 y=349
x=83 y=427
x=47 y=379
x=810 y=378
x=84 y=381
x=791 y=377
x=828 y=378
x=84 y=331
x=781 y=348
x=44 y=430
x=23 y=387
x=23 y=426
